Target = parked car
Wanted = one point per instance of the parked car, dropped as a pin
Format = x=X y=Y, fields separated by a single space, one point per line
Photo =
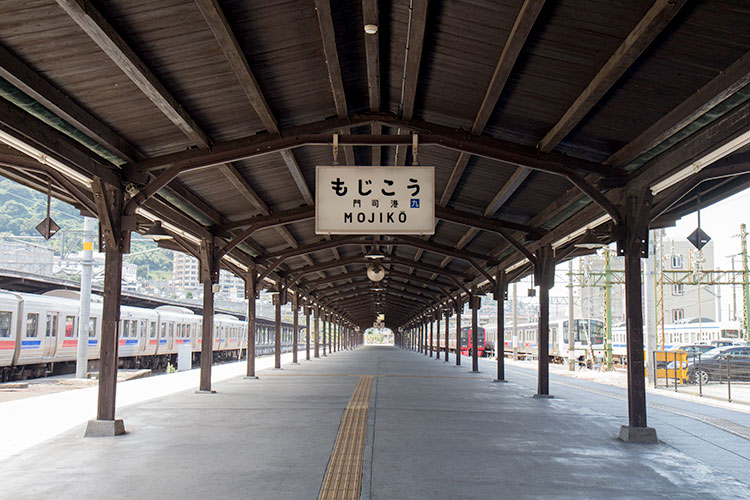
x=692 y=350
x=719 y=363
x=695 y=349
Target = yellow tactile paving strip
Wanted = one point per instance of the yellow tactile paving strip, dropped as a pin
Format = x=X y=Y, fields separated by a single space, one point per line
x=343 y=477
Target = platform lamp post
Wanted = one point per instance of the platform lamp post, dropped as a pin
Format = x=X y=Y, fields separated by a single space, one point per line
x=308 y=331
x=501 y=295
x=447 y=333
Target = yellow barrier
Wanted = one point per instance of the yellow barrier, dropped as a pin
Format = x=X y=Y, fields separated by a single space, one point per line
x=679 y=371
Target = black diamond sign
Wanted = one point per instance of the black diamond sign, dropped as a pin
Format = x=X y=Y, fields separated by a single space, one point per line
x=47 y=228
x=698 y=238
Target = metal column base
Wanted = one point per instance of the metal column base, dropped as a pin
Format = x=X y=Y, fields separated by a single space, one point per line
x=206 y=392
x=497 y=380
x=250 y=378
x=645 y=435
x=104 y=428
x=544 y=396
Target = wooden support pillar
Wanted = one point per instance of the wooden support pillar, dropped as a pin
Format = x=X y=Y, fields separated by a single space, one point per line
x=251 y=292
x=325 y=332
x=295 y=333
x=278 y=300
x=500 y=293
x=544 y=275
x=447 y=335
x=331 y=327
x=424 y=337
x=317 y=331
x=474 y=304
x=437 y=340
x=633 y=244
x=459 y=309
x=431 y=339
x=209 y=271
x=308 y=331
x=109 y=204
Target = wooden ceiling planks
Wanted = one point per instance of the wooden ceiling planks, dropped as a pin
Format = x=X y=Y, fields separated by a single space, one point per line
x=285 y=45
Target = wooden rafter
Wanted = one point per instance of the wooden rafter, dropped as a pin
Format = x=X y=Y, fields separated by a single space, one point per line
x=655 y=20
x=370 y=15
x=512 y=48
x=713 y=93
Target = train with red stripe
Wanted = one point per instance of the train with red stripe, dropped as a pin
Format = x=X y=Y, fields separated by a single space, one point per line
x=39 y=334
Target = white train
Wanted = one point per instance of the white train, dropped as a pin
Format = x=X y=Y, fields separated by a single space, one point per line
x=589 y=335
x=39 y=334
x=686 y=332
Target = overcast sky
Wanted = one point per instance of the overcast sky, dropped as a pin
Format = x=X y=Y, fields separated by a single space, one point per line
x=721 y=221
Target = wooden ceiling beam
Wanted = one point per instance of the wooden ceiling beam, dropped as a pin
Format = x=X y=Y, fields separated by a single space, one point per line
x=221 y=30
x=729 y=81
x=516 y=40
x=430 y=134
x=413 y=55
x=219 y=26
x=46 y=94
x=328 y=38
x=370 y=15
x=30 y=130
x=649 y=27
x=104 y=35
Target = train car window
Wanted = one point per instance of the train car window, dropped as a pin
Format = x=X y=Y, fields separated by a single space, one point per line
x=152 y=330
x=52 y=325
x=70 y=323
x=163 y=330
x=143 y=328
x=32 y=324
x=5 y=318
x=171 y=329
x=125 y=328
x=133 y=328
x=92 y=327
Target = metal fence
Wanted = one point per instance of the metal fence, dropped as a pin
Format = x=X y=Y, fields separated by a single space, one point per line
x=716 y=373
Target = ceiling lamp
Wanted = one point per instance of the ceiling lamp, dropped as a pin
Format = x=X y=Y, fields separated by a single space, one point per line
x=589 y=241
x=157 y=233
x=371 y=29
x=374 y=254
x=375 y=271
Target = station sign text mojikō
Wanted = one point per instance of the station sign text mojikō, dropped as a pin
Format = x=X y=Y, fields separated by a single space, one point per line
x=375 y=200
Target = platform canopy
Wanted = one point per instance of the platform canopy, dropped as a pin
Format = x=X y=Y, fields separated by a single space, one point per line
x=540 y=118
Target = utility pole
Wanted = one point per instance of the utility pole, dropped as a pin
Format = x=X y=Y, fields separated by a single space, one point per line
x=571 y=321
x=607 y=312
x=745 y=283
x=649 y=285
x=87 y=262
x=515 y=321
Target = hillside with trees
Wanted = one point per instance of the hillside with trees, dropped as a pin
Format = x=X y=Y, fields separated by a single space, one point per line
x=22 y=209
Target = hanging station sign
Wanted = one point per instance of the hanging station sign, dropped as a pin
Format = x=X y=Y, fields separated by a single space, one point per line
x=375 y=200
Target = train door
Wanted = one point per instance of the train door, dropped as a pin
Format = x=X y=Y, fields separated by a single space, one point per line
x=50 y=335
x=142 y=336
x=170 y=336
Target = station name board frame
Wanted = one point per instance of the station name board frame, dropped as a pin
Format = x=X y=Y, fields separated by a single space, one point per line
x=374 y=200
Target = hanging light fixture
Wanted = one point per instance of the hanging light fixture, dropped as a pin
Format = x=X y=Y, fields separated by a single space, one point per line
x=589 y=241
x=374 y=254
x=375 y=271
x=157 y=233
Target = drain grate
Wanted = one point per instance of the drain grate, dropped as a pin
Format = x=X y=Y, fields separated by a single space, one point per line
x=343 y=477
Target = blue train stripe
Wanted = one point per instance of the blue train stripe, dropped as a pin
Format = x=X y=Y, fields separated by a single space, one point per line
x=31 y=344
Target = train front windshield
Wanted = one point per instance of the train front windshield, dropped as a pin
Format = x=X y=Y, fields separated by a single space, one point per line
x=466 y=336
x=586 y=330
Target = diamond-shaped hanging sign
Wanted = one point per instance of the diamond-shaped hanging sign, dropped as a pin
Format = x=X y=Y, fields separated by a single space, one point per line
x=47 y=228
x=698 y=238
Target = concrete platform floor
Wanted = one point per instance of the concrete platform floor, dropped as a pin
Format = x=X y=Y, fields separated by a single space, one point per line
x=434 y=431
